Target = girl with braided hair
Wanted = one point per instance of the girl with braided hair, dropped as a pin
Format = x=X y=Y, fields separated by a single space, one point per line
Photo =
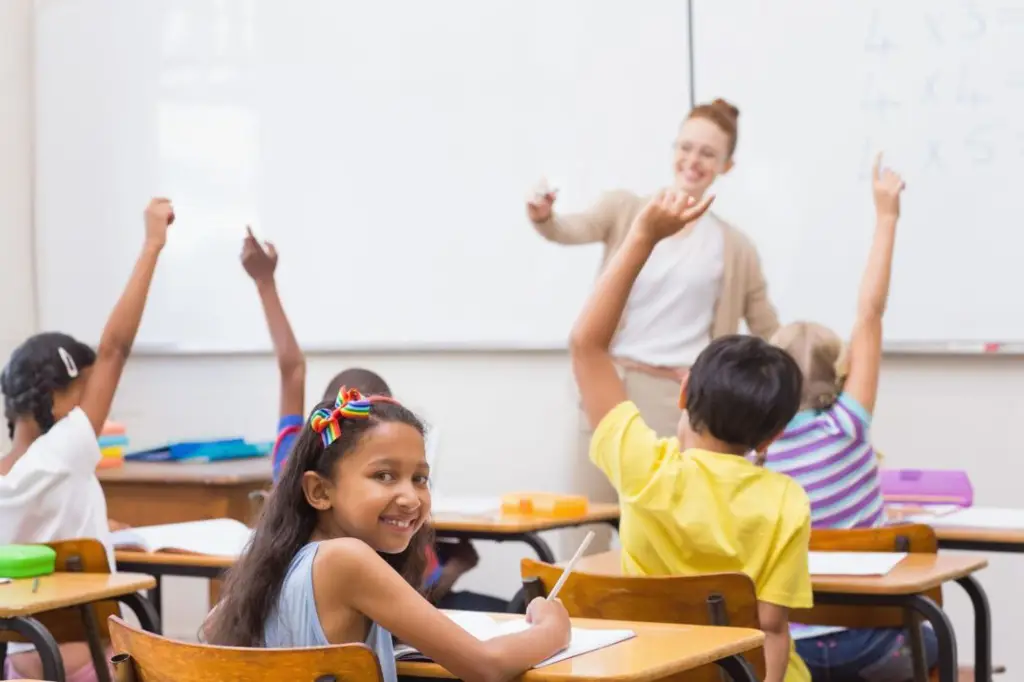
x=57 y=395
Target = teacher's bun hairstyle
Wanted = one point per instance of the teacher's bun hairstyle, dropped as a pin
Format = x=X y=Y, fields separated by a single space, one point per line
x=722 y=114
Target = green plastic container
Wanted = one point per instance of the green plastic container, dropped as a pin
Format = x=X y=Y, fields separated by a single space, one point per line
x=26 y=561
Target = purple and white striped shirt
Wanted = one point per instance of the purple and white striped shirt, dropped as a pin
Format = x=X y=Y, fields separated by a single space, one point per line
x=829 y=454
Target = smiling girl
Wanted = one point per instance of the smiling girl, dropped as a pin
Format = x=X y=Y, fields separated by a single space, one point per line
x=340 y=549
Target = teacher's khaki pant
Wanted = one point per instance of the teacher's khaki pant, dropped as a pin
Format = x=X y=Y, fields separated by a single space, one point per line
x=657 y=398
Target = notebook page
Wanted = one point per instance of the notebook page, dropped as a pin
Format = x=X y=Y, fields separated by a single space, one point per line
x=582 y=641
x=975 y=517
x=128 y=538
x=854 y=563
x=216 y=537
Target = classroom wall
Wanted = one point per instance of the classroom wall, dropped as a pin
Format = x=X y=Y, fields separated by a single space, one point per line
x=17 y=314
x=933 y=411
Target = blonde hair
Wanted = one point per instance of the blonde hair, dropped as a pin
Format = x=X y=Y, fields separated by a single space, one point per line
x=821 y=356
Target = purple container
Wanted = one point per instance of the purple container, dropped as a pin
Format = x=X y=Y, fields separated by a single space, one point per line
x=927 y=486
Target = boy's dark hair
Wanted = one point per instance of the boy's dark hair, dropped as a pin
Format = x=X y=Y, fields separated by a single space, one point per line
x=286 y=523
x=363 y=380
x=743 y=391
x=43 y=364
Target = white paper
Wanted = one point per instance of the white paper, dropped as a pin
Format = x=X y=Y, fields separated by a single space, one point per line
x=929 y=511
x=215 y=537
x=854 y=563
x=975 y=517
x=465 y=505
x=583 y=640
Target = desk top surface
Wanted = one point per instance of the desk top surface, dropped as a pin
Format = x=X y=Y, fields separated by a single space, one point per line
x=658 y=651
x=60 y=590
x=234 y=472
x=597 y=512
x=915 y=574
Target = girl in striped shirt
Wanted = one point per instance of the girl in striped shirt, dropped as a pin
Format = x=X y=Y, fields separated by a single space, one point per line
x=827 y=449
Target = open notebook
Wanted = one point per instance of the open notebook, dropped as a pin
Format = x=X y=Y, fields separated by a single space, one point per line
x=483 y=627
x=217 y=537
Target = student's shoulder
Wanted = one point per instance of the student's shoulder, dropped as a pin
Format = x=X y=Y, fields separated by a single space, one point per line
x=623 y=422
x=783 y=488
x=71 y=444
x=346 y=556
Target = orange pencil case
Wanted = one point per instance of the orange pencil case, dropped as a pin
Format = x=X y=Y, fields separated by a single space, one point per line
x=544 y=504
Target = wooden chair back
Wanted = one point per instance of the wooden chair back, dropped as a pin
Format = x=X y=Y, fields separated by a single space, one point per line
x=141 y=656
x=66 y=625
x=915 y=538
x=715 y=599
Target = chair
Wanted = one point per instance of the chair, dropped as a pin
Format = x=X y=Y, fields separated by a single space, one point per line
x=87 y=623
x=715 y=599
x=144 y=657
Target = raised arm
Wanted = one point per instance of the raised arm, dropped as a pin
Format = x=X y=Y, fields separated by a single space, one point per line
x=123 y=324
x=349 y=574
x=866 y=341
x=599 y=384
x=575 y=228
x=259 y=262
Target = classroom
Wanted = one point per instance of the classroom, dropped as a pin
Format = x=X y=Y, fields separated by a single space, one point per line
x=535 y=231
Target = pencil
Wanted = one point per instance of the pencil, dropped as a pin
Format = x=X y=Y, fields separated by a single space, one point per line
x=568 y=566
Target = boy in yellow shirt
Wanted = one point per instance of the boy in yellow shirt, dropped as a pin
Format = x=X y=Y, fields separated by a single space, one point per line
x=695 y=504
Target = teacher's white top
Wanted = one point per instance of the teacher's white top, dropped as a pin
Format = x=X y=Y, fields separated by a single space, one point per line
x=668 y=316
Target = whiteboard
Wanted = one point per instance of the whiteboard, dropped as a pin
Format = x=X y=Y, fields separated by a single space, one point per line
x=939 y=86
x=385 y=147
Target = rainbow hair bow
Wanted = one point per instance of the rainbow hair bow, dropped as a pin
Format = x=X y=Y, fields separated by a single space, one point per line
x=350 y=404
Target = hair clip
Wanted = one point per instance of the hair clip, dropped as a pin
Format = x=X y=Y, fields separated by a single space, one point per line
x=350 y=404
x=69 y=362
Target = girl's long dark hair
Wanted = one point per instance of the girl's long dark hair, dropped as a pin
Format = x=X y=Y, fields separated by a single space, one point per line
x=253 y=584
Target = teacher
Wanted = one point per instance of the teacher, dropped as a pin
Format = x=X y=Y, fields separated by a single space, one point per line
x=696 y=286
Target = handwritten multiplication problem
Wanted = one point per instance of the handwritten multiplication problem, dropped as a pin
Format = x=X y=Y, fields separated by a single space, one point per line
x=943 y=82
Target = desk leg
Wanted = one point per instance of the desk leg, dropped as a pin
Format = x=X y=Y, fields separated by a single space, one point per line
x=46 y=645
x=737 y=668
x=92 y=636
x=943 y=632
x=154 y=596
x=144 y=610
x=542 y=548
x=982 y=628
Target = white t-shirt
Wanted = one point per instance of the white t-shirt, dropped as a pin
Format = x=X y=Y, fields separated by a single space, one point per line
x=52 y=493
x=668 y=316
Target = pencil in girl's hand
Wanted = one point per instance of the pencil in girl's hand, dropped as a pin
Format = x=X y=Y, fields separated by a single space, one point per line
x=568 y=567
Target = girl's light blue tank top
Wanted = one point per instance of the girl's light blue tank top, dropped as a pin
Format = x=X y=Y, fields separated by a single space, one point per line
x=294 y=621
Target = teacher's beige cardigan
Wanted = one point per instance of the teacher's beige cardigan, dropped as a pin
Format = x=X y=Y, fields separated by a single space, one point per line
x=743 y=294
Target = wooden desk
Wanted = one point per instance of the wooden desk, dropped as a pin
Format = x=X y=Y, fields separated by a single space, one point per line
x=19 y=605
x=514 y=528
x=148 y=494
x=905 y=587
x=981 y=539
x=658 y=651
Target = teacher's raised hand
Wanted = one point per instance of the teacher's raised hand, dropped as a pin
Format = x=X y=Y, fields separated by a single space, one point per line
x=669 y=212
x=539 y=205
